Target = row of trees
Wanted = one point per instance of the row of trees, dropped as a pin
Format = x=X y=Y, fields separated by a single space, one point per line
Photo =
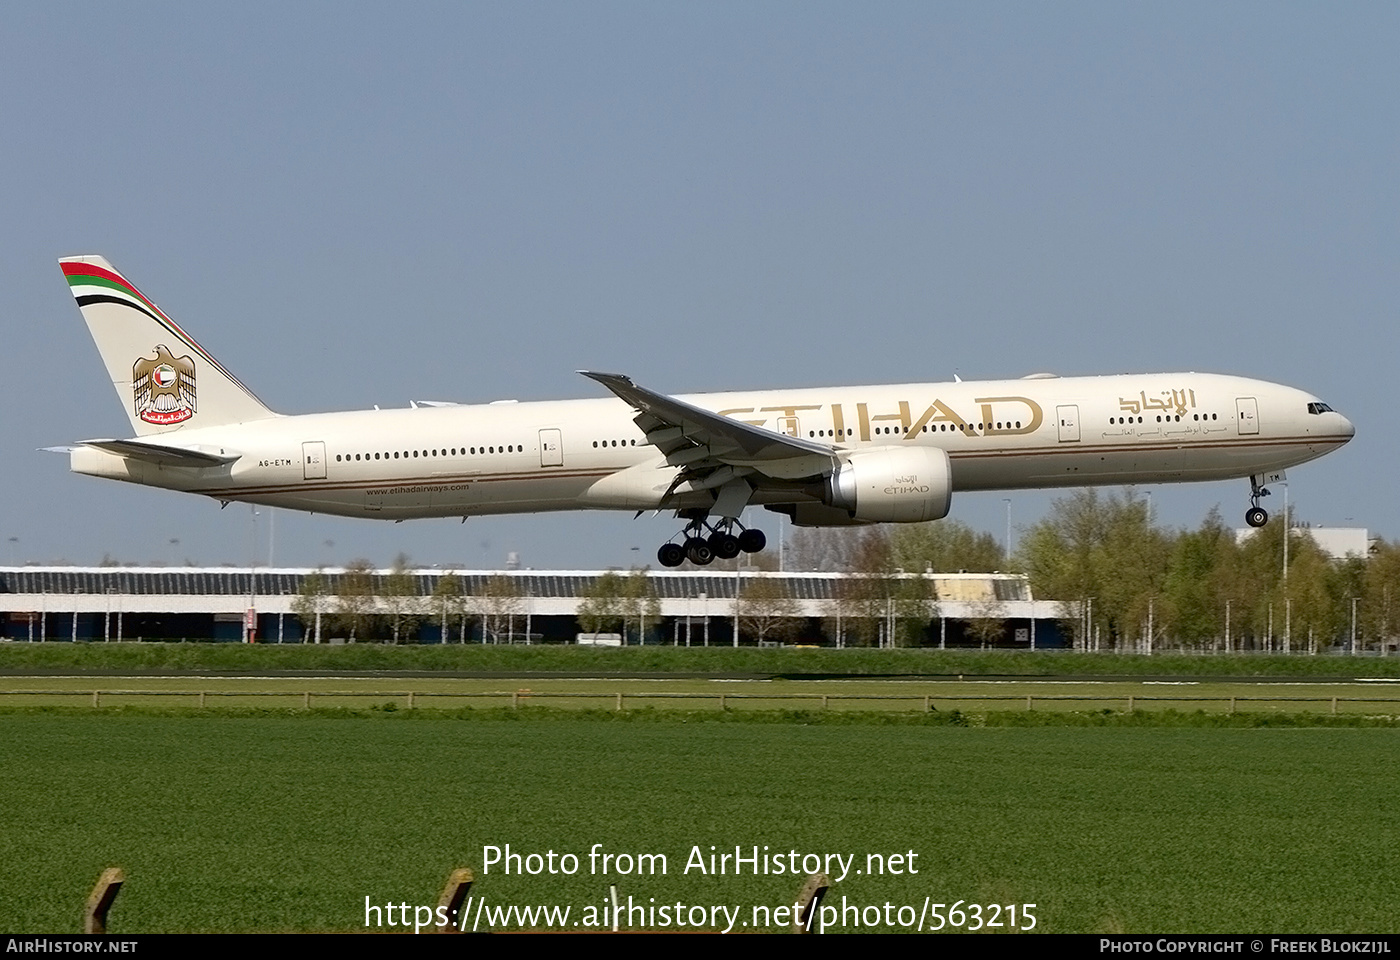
x=1125 y=583
x=350 y=604
x=1121 y=582
x=1128 y=583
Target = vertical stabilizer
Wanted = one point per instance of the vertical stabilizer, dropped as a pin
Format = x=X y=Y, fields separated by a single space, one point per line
x=163 y=377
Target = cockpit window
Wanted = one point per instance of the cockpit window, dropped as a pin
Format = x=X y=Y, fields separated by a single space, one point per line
x=1319 y=408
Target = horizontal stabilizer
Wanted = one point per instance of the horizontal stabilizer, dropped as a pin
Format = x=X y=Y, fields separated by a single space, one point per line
x=163 y=453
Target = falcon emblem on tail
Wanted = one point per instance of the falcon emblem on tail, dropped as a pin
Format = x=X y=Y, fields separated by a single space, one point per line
x=163 y=387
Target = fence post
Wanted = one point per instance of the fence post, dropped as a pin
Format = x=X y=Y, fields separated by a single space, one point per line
x=453 y=896
x=809 y=899
x=100 y=900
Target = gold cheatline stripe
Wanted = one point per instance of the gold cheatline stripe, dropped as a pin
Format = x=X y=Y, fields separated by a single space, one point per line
x=317 y=486
x=1072 y=446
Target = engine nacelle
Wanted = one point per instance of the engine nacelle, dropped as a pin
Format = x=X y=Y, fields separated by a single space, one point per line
x=893 y=485
x=816 y=515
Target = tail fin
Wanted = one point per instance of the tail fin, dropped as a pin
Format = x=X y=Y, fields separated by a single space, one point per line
x=165 y=379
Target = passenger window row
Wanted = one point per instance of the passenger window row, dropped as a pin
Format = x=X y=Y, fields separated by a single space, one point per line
x=437 y=452
x=1171 y=418
x=968 y=429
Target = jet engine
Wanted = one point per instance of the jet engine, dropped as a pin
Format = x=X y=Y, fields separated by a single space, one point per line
x=892 y=485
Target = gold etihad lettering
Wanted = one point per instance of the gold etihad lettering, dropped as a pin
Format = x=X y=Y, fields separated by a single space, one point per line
x=1004 y=426
x=1027 y=419
x=753 y=423
x=1169 y=400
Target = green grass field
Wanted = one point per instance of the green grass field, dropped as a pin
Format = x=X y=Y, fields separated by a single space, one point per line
x=270 y=823
x=631 y=661
x=865 y=694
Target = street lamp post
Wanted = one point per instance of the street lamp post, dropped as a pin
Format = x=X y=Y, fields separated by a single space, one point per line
x=1007 y=501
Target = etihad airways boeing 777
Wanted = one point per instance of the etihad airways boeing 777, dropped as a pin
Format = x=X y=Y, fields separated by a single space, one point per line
x=822 y=456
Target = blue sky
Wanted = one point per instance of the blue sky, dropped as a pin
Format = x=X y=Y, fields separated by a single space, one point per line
x=353 y=205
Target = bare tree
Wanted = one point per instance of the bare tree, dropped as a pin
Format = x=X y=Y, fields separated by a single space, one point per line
x=355 y=600
x=310 y=604
x=448 y=604
x=600 y=609
x=640 y=602
x=500 y=602
x=402 y=601
x=986 y=625
x=767 y=611
x=824 y=549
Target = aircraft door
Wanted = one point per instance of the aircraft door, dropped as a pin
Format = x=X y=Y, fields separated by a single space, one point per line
x=1068 y=416
x=789 y=426
x=313 y=460
x=551 y=448
x=1247 y=414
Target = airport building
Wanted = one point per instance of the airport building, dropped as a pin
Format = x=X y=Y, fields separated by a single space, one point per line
x=44 y=604
x=1338 y=543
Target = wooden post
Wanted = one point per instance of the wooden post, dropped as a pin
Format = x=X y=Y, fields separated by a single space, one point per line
x=410 y=699
x=306 y=700
x=453 y=896
x=809 y=899
x=96 y=698
x=619 y=700
x=100 y=900
x=1028 y=704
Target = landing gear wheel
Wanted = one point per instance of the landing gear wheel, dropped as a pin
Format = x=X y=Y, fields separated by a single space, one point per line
x=725 y=545
x=752 y=541
x=671 y=555
x=698 y=552
x=1256 y=516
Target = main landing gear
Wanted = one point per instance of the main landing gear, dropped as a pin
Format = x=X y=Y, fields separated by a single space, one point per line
x=1256 y=516
x=702 y=550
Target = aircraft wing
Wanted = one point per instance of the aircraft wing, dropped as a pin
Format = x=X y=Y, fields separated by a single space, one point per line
x=162 y=453
x=705 y=443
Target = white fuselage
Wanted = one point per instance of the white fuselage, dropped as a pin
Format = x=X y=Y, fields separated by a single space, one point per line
x=436 y=461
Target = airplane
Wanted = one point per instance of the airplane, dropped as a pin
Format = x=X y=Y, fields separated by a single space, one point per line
x=831 y=456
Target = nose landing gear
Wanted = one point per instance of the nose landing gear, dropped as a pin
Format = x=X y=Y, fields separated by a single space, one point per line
x=722 y=543
x=1256 y=516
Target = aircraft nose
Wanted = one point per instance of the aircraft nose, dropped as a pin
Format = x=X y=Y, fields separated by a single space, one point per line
x=1346 y=428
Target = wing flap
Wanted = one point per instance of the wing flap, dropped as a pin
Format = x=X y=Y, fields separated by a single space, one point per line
x=716 y=453
x=730 y=441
